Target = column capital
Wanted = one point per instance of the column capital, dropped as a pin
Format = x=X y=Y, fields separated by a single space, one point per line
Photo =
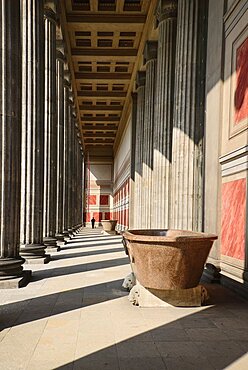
x=150 y=50
x=67 y=78
x=166 y=9
x=51 y=4
x=50 y=10
x=71 y=100
x=74 y=111
x=60 y=50
x=140 y=79
x=60 y=56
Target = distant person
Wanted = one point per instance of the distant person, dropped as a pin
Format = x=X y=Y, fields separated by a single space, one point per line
x=93 y=223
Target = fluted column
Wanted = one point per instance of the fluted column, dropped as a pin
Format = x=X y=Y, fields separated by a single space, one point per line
x=65 y=156
x=188 y=124
x=140 y=82
x=81 y=177
x=167 y=18
x=32 y=171
x=77 y=177
x=75 y=182
x=132 y=171
x=73 y=175
x=11 y=271
x=80 y=185
x=150 y=59
x=76 y=185
x=70 y=178
x=60 y=60
x=50 y=129
x=78 y=181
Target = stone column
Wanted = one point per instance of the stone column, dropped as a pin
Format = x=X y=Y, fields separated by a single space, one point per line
x=140 y=82
x=78 y=182
x=74 y=178
x=81 y=188
x=65 y=156
x=132 y=171
x=188 y=123
x=70 y=178
x=50 y=129
x=73 y=174
x=11 y=271
x=77 y=178
x=32 y=171
x=60 y=60
x=150 y=59
x=167 y=28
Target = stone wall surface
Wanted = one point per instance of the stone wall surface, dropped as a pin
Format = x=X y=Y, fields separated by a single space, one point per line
x=121 y=187
x=226 y=140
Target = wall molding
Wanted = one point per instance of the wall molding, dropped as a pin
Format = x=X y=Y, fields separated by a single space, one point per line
x=234 y=14
x=123 y=174
x=234 y=162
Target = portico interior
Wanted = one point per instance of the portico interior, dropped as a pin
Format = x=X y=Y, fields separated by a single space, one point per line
x=126 y=110
x=132 y=110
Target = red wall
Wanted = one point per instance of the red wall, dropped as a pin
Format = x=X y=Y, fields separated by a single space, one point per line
x=241 y=93
x=233 y=219
x=121 y=206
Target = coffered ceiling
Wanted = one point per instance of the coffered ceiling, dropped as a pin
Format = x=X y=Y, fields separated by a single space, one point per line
x=105 y=43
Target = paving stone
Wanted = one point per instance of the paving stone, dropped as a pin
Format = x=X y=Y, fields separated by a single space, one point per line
x=144 y=363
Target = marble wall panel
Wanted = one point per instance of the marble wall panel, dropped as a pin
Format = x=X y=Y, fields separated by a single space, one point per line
x=241 y=93
x=104 y=200
x=233 y=219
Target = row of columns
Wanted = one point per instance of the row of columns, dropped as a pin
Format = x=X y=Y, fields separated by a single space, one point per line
x=41 y=155
x=168 y=178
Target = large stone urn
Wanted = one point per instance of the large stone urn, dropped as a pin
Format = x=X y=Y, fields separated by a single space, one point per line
x=109 y=226
x=168 y=260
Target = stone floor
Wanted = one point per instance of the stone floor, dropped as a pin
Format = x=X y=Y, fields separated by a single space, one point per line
x=75 y=315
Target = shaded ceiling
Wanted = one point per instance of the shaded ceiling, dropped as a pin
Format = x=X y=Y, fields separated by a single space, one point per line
x=105 y=43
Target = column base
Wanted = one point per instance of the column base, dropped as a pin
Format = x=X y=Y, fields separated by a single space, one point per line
x=60 y=241
x=11 y=267
x=34 y=253
x=66 y=235
x=16 y=282
x=74 y=230
x=70 y=231
x=39 y=261
x=79 y=227
x=51 y=244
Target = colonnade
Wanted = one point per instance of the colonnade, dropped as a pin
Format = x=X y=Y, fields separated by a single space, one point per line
x=170 y=184
x=41 y=159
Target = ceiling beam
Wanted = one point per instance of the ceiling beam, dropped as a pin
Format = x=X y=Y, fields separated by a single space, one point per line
x=98 y=128
x=106 y=18
x=87 y=107
x=101 y=77
x=100 y=135
x=104 y=58
x=100 y=119
x=100 y=94
x=104 y=52
x=99 y=140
